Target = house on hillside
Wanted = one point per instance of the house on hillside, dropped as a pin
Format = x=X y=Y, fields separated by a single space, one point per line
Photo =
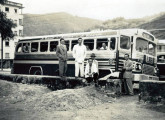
x=14 y=12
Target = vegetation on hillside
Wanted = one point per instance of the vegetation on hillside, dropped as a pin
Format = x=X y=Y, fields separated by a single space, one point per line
x=55 y=23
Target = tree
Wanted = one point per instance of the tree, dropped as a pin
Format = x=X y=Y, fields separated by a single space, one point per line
x=6 y=32
x=2 y=2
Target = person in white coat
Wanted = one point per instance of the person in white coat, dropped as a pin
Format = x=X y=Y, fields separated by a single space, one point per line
x=79 y=53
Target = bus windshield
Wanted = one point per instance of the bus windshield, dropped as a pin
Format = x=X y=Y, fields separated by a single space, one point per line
x=125 y=42
x=144 y=46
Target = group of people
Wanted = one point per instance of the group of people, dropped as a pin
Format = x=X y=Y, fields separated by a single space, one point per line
x=79 y=53
x=91 y=72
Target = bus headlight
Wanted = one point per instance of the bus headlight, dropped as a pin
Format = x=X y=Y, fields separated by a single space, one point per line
x=138 y=67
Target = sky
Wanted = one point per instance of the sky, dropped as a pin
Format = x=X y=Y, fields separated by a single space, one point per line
x=97 y=9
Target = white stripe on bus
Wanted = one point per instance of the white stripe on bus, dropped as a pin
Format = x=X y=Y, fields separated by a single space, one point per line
x=40 y=62
x=48 y=62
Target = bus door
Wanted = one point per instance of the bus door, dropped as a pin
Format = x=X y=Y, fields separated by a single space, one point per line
x=124 y=47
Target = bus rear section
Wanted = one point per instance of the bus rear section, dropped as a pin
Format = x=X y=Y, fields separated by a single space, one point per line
x=161 y=65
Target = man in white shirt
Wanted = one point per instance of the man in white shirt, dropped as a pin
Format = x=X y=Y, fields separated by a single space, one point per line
x=91 y=71
x=79 y=53
x=104 y=47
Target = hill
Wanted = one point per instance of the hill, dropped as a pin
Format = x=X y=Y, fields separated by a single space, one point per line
x=155 y=24
x=47 y=24
x=55 y=23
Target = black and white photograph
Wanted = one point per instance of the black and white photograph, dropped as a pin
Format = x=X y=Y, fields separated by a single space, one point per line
x=82 y=59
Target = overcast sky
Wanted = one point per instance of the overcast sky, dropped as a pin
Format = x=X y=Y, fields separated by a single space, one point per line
x=98 y=9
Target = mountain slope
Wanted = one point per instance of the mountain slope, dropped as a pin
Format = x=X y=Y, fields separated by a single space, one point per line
x=158 y=23
x=55 y=23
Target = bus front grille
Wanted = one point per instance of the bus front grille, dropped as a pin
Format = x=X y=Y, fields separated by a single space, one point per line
x=147 y=69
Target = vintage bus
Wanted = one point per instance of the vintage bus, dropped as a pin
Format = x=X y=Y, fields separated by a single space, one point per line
x=161 y=59
x=37 y=55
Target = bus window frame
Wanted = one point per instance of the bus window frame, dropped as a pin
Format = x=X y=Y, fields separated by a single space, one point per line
x=88 y=38
x=54 y=40
x=119 y=45
x=108 y=42
x=115 y=43
x=28 y=48
x=16 y=48
x=38 y=47
x=75 y=44
x=148 y=41
x=69 y=44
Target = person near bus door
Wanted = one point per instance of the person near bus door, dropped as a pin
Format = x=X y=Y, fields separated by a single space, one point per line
x=91 y=71
x=127 y=75
x=61 y=53
x=97 y=73
x=79 y=53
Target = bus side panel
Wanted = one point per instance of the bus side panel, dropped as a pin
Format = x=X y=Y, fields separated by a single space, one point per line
x=48 y=69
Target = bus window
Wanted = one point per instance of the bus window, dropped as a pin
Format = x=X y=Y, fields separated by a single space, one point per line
x=43 y=46
x=19 y=48
x=151 y=49
x=67 y=44
x=102 y=44
x=141 y=45
x=74 y=42
x=25 y=47
x=112 y=43
x=53 y=46
x=89 y=43
x=34 y=47
x=161 y=48
x=125 y=42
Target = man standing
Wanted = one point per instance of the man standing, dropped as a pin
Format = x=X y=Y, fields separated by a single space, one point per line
x=79 y=53
x=127 y=75
x=61 y=53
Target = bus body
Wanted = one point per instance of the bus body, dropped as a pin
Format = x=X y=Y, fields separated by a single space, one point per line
x=37 y=55
x=161 y=59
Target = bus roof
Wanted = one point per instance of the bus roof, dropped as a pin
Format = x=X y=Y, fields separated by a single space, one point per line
x=91 y=34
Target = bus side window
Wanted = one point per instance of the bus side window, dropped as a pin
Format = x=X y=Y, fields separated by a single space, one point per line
x=53 y=46
x=34 y=47
x=89 y=43
x=19 y=48
x=67 y=44
x=43 y=46
x=125 y=42
x=112 y=43
x=74 y=42
x=25 y=47
x=102 y=44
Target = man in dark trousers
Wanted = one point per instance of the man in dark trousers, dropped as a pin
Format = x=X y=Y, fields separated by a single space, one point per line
x=61 y=53
x=127 y=75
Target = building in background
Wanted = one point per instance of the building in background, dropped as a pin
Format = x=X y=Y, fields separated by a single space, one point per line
x=13 y=11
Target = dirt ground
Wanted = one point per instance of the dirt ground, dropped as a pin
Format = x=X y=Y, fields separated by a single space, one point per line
x=34 y=102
